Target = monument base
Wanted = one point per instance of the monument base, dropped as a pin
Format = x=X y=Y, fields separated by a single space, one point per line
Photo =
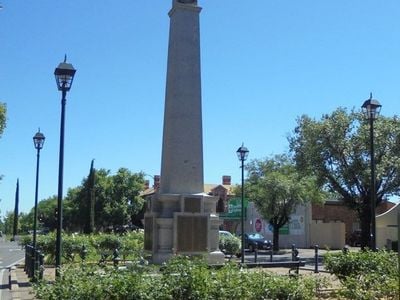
x=183 y=225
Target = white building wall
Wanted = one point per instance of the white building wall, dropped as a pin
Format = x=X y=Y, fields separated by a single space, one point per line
x=297 y=232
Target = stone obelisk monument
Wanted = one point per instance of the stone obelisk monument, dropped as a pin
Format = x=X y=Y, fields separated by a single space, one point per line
x=181 y=219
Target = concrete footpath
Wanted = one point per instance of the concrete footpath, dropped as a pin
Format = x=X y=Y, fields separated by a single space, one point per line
x=20 y=285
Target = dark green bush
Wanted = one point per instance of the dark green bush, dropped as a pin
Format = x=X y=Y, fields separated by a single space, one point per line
x=25 y=240
x=129 y=244
x=181 y=278
x=366 y=274
x=230 y=245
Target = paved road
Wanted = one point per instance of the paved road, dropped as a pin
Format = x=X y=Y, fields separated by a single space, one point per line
x=10 y=254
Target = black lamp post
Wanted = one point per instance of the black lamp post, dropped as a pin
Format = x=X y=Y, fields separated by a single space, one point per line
x=38 y=141
x=242 y=154
x=64 y=75
x=371 y=109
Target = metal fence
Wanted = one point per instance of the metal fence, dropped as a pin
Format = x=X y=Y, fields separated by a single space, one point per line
x=34 y=262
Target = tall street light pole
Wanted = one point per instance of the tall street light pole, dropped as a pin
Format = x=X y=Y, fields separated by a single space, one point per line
x=64 y=75
x=38 y=141
x=242 y=154
x=371 y=109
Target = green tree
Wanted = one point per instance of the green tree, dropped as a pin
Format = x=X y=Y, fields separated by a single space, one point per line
x=73 y=218
x=9 y=223
x=276 y=188
x=46 y=213
x=3 y=120
x=117 y=199
x=123 y=201
x=3 y=117
x=1 y=225
x=25 y=222
x=127 y=187
x=335 y=149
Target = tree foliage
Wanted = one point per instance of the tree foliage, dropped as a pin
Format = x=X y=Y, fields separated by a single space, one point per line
x=46 y=213
x=276 y=188
x=117 y=199
x=365 y=274
x=117 y=202
x=8 y=223
x=335 y=149
x=3 y=117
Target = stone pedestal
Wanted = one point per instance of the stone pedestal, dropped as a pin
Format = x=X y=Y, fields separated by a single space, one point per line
x=183 y=224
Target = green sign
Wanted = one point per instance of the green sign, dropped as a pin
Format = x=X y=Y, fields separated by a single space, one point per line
x=284 y=229
x=235 y=209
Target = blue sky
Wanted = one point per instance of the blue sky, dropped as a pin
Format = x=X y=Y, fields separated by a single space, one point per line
x=264 y=63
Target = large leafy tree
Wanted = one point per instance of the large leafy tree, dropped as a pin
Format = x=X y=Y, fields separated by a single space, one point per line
x=335 y=149
x=276 y=188
x=47 y=213
x=117 y=199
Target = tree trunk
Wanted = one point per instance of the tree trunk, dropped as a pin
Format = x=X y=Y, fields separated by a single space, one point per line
x=275 y=238
x=364 y=215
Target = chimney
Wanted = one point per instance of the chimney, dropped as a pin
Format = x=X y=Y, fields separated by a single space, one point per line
x=226 y=180
x=146 y=184
x=156 y=185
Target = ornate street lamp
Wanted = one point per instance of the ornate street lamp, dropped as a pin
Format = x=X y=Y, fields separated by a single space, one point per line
x=371 y=109
x=64 y=75
x=38 y=141
x=242 y=154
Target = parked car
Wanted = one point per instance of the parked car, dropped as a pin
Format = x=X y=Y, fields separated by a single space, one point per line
x=256 y=240
x=223 y=233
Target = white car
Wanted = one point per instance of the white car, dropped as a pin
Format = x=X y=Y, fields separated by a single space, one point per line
x=223 y=233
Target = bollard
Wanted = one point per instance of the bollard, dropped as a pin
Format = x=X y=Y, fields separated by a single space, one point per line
x=293 y=248
x=36 y=265
x=271 y=252
x=29 y=260
x=316 y=259
x=33 y=261
x=41 y=265
x=295 y=253
x=116 y=258
x=255 y=253
x=83 y=253
x=26 y=259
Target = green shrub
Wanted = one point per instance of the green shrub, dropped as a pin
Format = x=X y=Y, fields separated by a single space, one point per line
x=129 y=244
x=186 y=278
x=72 y=246
x=92 y=283
x=181 y=278
x=132 y=244
x=25 y=240
x=230 y=245
x=365 y=274
x=47 y=244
